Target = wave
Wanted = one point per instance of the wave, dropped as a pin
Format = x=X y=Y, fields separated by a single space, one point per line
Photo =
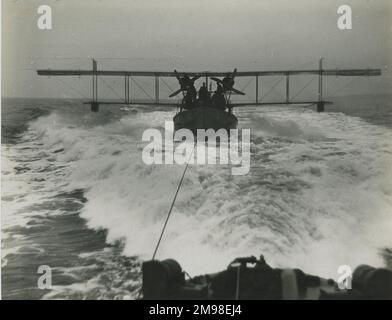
x=319 y=193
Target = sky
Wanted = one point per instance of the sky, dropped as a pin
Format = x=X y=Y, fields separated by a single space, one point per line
x=214 y=35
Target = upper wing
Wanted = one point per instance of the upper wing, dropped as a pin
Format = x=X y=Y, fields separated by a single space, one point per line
x=325 y=72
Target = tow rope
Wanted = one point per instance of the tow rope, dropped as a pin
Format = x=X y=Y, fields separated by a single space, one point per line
x=169 y=213
x=237 y=287
x=172 y=204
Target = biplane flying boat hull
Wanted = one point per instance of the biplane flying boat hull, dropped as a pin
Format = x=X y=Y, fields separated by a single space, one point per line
x=204 y=118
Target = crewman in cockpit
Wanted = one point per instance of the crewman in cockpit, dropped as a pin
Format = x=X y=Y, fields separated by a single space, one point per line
x=218 y=99
x=204 y=95
x=190 y=96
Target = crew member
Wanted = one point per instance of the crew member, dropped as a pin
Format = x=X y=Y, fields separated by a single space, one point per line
x=218 y=99
x=190 y=97
x=204 y=94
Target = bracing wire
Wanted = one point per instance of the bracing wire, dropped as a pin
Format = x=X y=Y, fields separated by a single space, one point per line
x=247 y=84
x=72 y=88
x=167 y=85
x=344 y=86
x=300 y=91
x=271 y=89
x=112 y=89
x=141 y=88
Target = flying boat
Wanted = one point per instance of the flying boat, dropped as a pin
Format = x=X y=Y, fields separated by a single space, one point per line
x=207 y=108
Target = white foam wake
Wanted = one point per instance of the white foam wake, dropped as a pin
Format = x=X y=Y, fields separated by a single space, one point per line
x=319 y=193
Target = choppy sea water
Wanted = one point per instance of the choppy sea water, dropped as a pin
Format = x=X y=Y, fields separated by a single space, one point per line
x=77 y=197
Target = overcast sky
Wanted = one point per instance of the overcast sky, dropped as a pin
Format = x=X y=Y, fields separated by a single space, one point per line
x=213 y=35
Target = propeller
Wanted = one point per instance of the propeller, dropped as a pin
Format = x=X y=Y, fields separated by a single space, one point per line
x=228 y=82
x=184 y=81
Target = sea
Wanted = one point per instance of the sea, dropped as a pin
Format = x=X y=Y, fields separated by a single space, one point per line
x=77 y=197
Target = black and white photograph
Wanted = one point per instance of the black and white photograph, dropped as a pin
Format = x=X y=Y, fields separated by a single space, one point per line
x=205 y=150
